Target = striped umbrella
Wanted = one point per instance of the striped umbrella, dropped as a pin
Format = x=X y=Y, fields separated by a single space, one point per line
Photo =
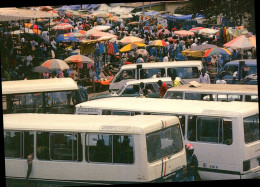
x=131 y=39
x=77 y=34
x=131 y=46
x=56 y=64
x=78 y=59
x=241 y=42
x=158 y=43
x=63 y=26
x=216 y=51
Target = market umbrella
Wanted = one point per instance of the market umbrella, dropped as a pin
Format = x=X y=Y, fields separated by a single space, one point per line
x=66 y=38
x=101 y=27
x=101 y=14
x=63 y=26
x=134 y=23
x=158 y=43
x=164 y=31
x=77 y=34
x=131 y=46
x=102 y=34
x=208 y=32
x=131 y=39
x=216 y=51
x=91 y=31
x=28 y=25
x=192 y=53
x=196 y=29
x=63 y=20
x=203 y=47
x=115 y=18
x=78 y=59
x=41 y=69
x=241 y=42
x=183 y=33
x=142 y=52
x=56 y=64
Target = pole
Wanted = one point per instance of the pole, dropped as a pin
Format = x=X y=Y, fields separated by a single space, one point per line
x=143 y=8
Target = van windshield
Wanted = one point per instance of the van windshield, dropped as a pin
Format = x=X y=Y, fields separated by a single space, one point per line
x=163 y=143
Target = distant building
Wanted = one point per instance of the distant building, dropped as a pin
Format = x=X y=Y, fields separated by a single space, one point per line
x=167 y=6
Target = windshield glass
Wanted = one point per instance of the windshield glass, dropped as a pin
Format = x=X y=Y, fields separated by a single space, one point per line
x=251 y=129
x=164 y=142
x=173 y=95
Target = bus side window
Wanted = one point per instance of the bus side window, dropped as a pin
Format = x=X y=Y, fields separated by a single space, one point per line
x=106 y=112
x=191 y=133
x=227 y=132
x=43 y=145
x=12 y=144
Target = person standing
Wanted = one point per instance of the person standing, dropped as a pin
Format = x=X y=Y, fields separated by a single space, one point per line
x=163 y=88
x=192 y=163
x=204 y=77
x=221 y=80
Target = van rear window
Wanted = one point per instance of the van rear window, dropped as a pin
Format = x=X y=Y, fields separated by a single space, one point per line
x=251 y=129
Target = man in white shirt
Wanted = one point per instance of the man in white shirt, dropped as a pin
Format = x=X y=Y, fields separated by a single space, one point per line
x=165 y=59
x=204 y=77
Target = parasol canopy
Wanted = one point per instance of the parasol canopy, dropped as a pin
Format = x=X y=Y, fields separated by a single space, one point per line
x=158 y=43
x=208 y=32
x=35 y=27
x=241 y=42
x=41 y=69
x=131 y=39
x=78 y=59
x=203 y=47
x=101 y=14
x=134 y=23
x=77 y=34
x=66 y=38
x=183 y=33
x=216 y=51
x=101 y=27
x=191 y=53
x=142 y=52
x=63 y=26
x=196 y=29
x=164 y=31
x=131 y=46
x=56 y=64
x=103 y=34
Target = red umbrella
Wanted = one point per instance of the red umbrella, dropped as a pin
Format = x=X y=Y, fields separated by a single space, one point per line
x=56 y=64
x=183 y=33
x=78 y=59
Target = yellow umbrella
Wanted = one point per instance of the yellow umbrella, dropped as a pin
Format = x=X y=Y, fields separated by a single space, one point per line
x=131 y=46
x=191 y=53
x=28 y=25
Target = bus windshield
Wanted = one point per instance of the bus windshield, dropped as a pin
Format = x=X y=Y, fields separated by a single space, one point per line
x=251 y=129
x=163 y=143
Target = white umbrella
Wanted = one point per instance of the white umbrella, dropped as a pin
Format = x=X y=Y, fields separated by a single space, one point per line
x=91 y=31
x=241 y=43
x=102 y=27
x=208 y=32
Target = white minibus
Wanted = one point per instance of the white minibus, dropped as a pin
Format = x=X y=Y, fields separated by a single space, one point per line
x=186 y=70
x=131 y=88
x=225 y=135
x=70 y=150
x=58 y=95
x=214 y=92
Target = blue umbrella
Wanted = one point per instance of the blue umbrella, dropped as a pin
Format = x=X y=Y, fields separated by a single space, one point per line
x=66 y=38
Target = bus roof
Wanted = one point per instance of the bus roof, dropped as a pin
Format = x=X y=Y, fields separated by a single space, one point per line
x=193 y=63
x=217 y=88
x=38 y=85
x=247 y=62
x=155 y=105
x=86 y=123
x=149 y=80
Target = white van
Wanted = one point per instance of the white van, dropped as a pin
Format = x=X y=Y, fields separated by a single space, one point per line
x=131 y=88
x=58 y=95
x=214 y=92
x=72 y=150
x=225 y=135
x=186 y=70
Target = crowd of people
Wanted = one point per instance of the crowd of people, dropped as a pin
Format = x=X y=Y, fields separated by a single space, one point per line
x=20 y=53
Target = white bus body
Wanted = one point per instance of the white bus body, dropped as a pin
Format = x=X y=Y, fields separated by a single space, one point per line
x=225 y=134
x=74 y=149
x=186 y=70
x=218 y=92
x=58 y=95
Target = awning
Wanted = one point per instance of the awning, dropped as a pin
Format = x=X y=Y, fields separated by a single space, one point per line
x=13 y=14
